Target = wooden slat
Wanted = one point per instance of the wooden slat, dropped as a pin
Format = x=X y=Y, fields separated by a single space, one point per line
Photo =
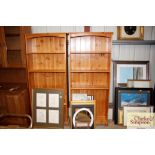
x=126 y=52
x=46 y=62
x=88 y=62
x=89 y=52
x=104 y=34
x=89 y=71
x=38 y=35
x=142 y=53
x=90 y=80
x=46 y=44
x=88 y=88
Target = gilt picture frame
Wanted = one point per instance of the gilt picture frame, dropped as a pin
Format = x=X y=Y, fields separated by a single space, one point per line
x=130 y=32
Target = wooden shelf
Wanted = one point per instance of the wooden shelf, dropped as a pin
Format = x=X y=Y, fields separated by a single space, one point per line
x=13 y=67
x=99 y=34
x=46 y=53
x=89 y=88
x=12 y=35
x=133 y=42
x=14 y=50
x=89 y=71
x=90 y=52
x=39 y=35
x=47 y=71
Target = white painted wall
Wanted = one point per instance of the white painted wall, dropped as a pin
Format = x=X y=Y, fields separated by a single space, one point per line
x=119 y=52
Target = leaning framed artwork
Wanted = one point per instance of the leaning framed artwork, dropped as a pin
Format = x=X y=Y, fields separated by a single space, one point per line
x=133 y=109
x=131 y=97
x=133 y=70
x=47 y=108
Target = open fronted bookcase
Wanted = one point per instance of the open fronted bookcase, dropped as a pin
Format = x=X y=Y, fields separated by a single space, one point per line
x=47 y=63
x=90 y=59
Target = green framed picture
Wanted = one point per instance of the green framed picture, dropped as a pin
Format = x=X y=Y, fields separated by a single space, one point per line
x=47 y=108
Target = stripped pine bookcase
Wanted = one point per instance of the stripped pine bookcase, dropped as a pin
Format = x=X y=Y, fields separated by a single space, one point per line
x=90 y=59
x=46 y=63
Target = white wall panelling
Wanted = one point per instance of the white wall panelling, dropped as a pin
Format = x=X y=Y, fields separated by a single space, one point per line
x=152 y=64
x=105 y=29
x=38 y=29
x=142 y=52
x=149 y=33
x=50 y=29
x=68 y=29
x=115 y=55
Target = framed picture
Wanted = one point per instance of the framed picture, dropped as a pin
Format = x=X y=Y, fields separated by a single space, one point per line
x=139 y=84
x=83 y=114
x=133 y=70
x=47 y=108
x=131 y=97
x=130 y=32
x=133 y=109
x=79 y=97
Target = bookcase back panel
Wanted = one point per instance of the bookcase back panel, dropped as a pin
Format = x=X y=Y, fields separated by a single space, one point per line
x=14 y=30
x=13 y=43
x=90 y=43
x=90 y=62
x=90 y=80
x=47 y=80
x=46 y=62
x=46 y=45
x=13 y=76
x=101 y=97
x=14 y=59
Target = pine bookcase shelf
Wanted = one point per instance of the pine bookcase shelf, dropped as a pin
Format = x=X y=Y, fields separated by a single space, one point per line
x=90 y=59
x=47 y=53
x=47 y=63
x=90 y=52
x=47 y=71
x=95 y=88
x=89 y=71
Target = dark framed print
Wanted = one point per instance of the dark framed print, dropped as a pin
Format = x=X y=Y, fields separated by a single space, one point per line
x=130 y=32
x=47 y=108
x=131 y=97
x=129 y=70
x=83 y=114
